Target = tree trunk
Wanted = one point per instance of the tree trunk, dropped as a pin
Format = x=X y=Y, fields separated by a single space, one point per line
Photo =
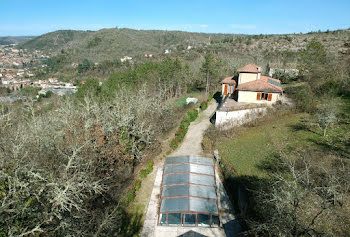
x=207 y=86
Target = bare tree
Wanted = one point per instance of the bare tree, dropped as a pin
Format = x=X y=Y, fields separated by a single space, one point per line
x=326 y=114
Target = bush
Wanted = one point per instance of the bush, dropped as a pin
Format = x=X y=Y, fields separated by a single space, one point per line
x=184 y=126
x=303 y=97
x=137 y=185
x=143 y=173
x=174 y=143
x=204 y=105
x=149 y=167
x=210 y=97
x=192 y=114
x=189 y=117
x=130 y=195
x=180 y=134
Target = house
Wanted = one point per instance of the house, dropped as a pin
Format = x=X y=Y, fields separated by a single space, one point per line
x=167 y=51
x=148 y=55
x=252 y=87
x=53 y=80
x=125 y=58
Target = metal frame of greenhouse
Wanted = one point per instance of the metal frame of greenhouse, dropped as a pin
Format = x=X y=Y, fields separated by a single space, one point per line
x=188 y=195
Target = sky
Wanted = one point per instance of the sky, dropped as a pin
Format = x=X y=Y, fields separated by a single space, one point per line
x=36 y=17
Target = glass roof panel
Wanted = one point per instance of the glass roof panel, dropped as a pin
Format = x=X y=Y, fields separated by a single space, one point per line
x=176 y=168
x=203 y=191
x=174 y=204
x=202 y=179
x=176 y=160
x=274 y=83
x=201 y=160
x=202 y=169
x=175 y=178
x=176 y=190
x=203 y=205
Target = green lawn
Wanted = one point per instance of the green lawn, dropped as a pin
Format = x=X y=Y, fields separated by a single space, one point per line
x=247 y=151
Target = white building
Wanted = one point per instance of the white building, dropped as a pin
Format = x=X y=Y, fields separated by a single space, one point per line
x=251 y=87
x=125 y=58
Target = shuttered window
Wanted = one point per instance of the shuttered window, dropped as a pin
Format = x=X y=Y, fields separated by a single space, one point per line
x=258 y=97
x=269 y=98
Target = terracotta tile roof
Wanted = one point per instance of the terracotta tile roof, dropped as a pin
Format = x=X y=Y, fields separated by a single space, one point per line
x=261 y=85
x=250 y=68
x=228 y=80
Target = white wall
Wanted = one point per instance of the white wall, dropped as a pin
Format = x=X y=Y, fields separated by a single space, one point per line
x=250 y=97
x=247 y=77
x=238 y=117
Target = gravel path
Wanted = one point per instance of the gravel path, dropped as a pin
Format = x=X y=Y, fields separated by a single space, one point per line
x=192 y=144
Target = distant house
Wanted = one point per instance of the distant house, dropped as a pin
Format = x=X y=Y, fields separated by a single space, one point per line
x=53 y=80
x=148 y=55
x=251 y=87
x=167 y=51
x=125 y=58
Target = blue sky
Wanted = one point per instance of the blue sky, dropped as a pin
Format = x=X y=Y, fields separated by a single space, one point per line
x=35 y=17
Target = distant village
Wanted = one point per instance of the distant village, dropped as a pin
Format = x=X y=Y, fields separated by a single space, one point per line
x=19 y=66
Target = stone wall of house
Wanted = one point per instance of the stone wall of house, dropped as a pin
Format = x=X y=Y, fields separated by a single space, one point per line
x=250 y=97
x=237 y=118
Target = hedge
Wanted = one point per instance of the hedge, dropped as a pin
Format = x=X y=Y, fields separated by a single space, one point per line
x=189 y=117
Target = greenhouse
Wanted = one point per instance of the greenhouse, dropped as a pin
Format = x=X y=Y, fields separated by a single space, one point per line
x=188 y=192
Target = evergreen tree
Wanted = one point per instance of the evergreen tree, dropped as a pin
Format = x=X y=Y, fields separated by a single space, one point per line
x=210 y=69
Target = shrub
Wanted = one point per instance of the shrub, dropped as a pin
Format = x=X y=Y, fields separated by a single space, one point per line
x=186 y=118
x=137 y=185
x=174 y=143
x=149 y=167
x=192 y=114
x=130 y=195
x=184 y=125
x=180 y=134
x=210 y=97
x=143 y=173
x=204 y=105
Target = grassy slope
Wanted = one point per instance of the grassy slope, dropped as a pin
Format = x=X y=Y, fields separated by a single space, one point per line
x=247 y=151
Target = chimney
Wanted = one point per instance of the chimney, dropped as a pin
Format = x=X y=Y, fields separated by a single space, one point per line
x=259 y=73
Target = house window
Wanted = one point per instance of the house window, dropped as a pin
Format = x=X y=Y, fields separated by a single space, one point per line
x=264 y=96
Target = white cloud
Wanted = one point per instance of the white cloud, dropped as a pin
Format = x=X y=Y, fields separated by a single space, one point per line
x=203 y=26
x=243 y=26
